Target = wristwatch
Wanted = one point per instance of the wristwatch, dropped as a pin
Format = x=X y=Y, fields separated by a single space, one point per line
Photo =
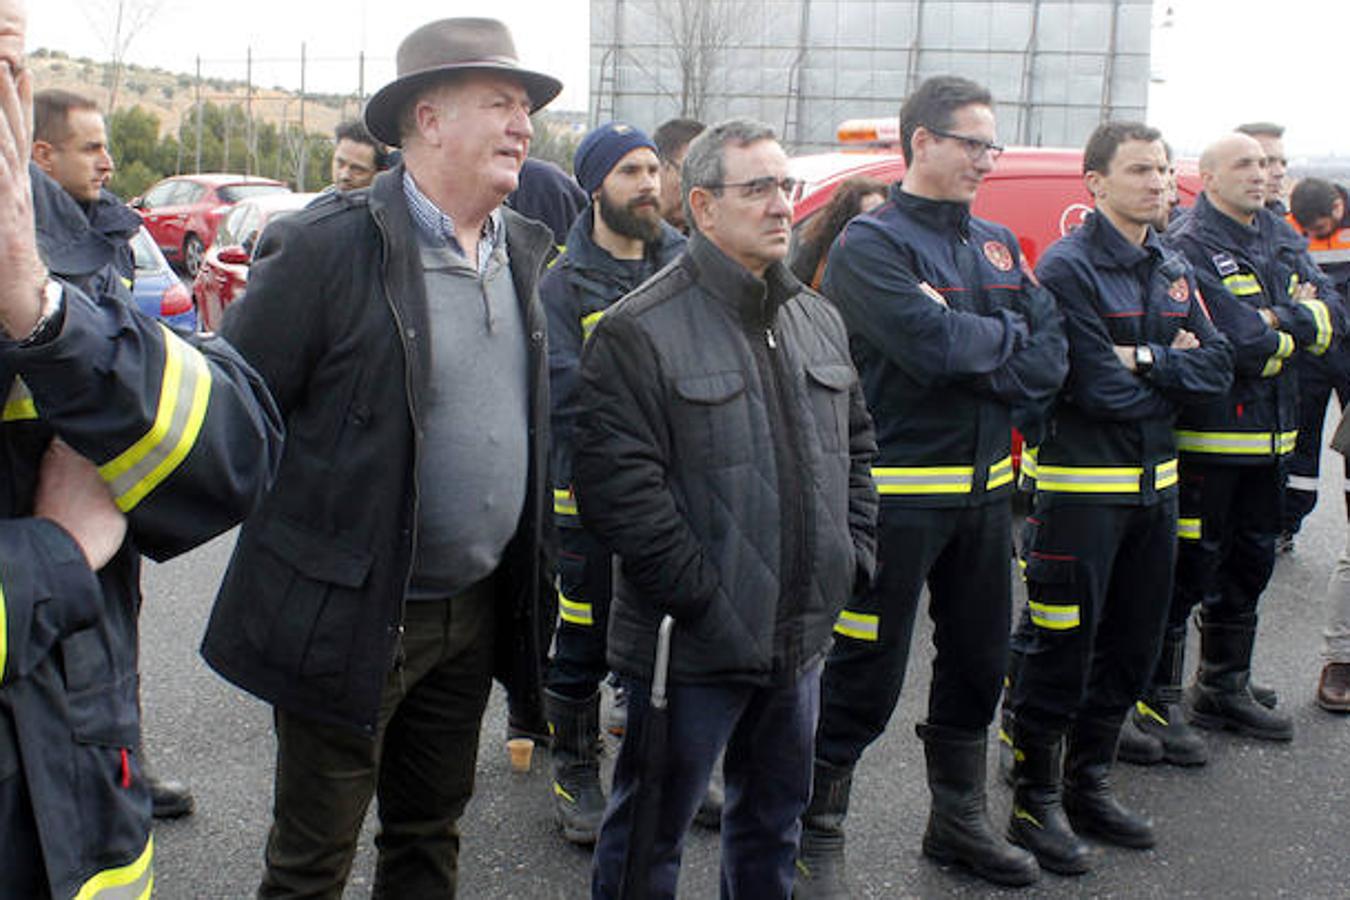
x=1143 y=359
x=50 y=318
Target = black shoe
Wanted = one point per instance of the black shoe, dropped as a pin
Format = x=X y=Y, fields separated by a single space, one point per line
x=1091 y=805
x=1159 y=715
x=578 y=800
x=1137 y=746
x=169 y=799
x=1038 y=822
x=709 y=814
x=1263 y=694
x=958 y=825
x=1220 y=698
x=820 y=856
x=1284 y=543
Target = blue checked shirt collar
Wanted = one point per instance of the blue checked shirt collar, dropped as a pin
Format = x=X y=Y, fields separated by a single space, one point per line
x=438 y=229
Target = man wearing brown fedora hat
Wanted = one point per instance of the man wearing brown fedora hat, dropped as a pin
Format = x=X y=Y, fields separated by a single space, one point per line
x=396 y=566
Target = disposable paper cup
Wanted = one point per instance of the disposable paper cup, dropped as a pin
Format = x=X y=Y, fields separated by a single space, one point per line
x=521 y=750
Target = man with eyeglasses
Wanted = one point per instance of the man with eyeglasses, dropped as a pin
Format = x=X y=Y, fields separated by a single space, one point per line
x=951 y=337
x=722 y=454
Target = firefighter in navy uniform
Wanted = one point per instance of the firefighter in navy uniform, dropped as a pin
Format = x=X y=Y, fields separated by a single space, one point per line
x=1321 y=211
x=618 y=242
x=1268 y=297
x=185 y=439
x=1102 y=535
x=949 y=334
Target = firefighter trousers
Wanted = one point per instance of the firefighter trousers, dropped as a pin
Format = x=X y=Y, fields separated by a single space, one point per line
x=1099 y=577
x=964 y=556
x=1317 y=381
x=1230 y=515
x=584 y=589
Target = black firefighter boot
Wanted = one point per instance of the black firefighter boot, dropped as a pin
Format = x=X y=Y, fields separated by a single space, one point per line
x=1220 y=698
x=1038 y=822
x=1091 y=805
x=820 y=856
x=1159 y=714
x=958 y=825
x=578 y=801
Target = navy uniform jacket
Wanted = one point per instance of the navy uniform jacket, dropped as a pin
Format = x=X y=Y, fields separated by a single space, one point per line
x=1110 y=438
x=950 y=335
x=187 y=439
x=1241 y=270
x=583 y=283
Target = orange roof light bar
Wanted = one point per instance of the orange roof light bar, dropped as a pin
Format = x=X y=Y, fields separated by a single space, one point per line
x=884 y=130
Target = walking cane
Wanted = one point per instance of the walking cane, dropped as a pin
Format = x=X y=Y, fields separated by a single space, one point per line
x=636 y=883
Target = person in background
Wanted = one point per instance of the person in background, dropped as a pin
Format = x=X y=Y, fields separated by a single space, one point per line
x=853 y=196
x=548 y=194
x=357 y=156
x=1271 y=138
x=672 y=139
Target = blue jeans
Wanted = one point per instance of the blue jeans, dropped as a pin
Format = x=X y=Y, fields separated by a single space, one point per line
x=768 y=734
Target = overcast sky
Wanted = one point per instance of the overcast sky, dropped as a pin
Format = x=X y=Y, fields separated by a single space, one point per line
x=1221 y=61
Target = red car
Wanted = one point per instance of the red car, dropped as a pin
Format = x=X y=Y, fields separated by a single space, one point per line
x=224 y=269
x=182 y=212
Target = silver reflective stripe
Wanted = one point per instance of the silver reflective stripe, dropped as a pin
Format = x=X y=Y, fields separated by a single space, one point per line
x=923 y=479
x=1322 y=257
x=133 y=881
x=1303 y=483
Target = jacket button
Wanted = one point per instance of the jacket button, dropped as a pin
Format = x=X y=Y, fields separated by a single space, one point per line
x=412 y=332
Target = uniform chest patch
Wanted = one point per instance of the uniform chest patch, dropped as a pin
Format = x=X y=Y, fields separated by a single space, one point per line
x=1224 y=264
x=1180 y=290
x=998 y=255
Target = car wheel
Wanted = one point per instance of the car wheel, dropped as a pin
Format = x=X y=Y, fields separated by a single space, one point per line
x=192 y=254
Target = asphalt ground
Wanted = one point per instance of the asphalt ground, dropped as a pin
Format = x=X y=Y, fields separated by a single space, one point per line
x=1261 y=820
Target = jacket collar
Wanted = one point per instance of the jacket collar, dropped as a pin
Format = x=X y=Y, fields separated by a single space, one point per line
x=755 y=300
x=1228 y=230
x=76 y=241
x=941 y=215
x=1109 y=248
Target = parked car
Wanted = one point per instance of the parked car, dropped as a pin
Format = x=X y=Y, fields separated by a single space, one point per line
x=224 y=270
x=184 y=211
x=158 y=290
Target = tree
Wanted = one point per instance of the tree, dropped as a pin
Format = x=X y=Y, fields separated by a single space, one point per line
x=117 y=23
x=699 y=31
x=553 y=140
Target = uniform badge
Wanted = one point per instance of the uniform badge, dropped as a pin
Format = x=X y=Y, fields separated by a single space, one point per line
x=998 y=256
x=1224 y=264
x=1180 y=290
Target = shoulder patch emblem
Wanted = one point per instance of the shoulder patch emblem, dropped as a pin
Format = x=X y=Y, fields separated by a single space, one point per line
x=1180 y=290
x=1224 y=264
x=998 y=255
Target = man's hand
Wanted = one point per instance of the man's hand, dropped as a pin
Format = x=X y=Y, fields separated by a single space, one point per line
x=71 y=494
x=1126 y=355
x=1305 y=290
x=22 y=273
x=1185 y=340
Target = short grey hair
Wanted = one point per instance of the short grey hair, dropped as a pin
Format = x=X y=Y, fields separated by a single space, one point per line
x=704 y=163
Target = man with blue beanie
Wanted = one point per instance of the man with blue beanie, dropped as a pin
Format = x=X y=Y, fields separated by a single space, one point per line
x=615 y=244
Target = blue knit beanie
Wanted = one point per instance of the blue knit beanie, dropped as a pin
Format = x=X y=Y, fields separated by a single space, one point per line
x=602 y=149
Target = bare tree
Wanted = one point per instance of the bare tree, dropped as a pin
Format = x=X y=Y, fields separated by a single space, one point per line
x=700 y=30
x=118 y=23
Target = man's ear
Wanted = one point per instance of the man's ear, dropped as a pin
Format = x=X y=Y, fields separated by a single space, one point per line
x=701 y=204
x=42 y=155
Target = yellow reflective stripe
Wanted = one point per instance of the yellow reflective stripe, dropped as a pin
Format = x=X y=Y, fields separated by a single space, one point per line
x=1165 y=474
x=923 y=479
x=588 y=323
x=1188 y=529
x=1323 y=320
x=1089 y=479
x=575 y=612
x=562 y=792
x=130 y=882
x=4 y=634
x=1027 y=476
x=1053 y=617
x=1237 y=443
x=1004 y=737
x=1020 y=813
x=859 y=626
x=185 y=392
x=19 y=402
x=1149 y=712
x=564 y=504
x=1000 y=473
x=1286 y=348
x=1274 y=366
x=1242 y=285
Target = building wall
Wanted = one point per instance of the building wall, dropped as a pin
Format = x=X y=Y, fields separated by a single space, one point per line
x=1056 y=67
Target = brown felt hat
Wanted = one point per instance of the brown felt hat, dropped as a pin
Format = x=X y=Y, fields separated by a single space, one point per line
x=451 y=45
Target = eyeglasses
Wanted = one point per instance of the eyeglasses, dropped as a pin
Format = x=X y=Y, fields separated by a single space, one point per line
x=974 y=147
x=761 y=188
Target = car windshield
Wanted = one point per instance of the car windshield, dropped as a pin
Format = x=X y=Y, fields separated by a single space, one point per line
x=233 y=193
x=143 y=248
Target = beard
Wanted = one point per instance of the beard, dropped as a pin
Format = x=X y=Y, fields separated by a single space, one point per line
x=639 y=218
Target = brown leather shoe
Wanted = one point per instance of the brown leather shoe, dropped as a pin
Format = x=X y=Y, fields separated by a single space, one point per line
x=1333 y=690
